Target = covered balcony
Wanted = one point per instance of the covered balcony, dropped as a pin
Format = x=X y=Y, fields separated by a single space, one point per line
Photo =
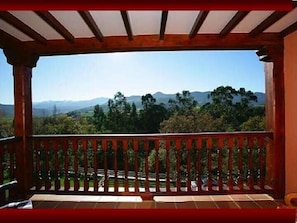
x=149 y=165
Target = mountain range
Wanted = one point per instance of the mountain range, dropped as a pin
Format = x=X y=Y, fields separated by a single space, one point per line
x=47 y=107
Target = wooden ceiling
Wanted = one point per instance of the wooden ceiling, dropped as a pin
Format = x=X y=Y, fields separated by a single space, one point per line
x=75 y=32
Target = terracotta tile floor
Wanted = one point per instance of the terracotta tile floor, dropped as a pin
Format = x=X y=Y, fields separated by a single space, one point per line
x=168 y=202
x=131 y=202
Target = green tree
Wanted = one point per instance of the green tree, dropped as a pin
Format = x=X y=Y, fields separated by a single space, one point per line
x=232 y=106
x=151 y=115
x=118 y=114
x=183 y=103
x=99 y=118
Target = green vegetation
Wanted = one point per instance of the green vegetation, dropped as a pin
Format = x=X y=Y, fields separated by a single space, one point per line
x=229 y=110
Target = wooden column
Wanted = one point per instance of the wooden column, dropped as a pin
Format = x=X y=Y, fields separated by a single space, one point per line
x=22 y=72
x=275 y=115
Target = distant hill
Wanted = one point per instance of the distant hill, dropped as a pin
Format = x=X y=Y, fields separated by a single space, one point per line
x=201 y=97
x=47 y=107
x=9 y=111
x=68 y=106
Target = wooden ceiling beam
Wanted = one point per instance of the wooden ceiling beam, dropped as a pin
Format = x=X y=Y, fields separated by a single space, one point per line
x=87 y=17
x=233 y=41
x=163 y=24
x=53 y=22
x=237 y=18
x=8 y=41
x=290 y=29
x=126 y=21
x=270 y=20
x=198 y=23
x=18 y=24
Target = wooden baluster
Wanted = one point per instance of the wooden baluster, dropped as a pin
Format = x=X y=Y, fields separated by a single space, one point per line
x=37 y=164
x=12 y=159
x=106 y=177
x=198 y=164
x=220 y=145
x=2 y=195
x=66 y=165
x=189 y=149
x=261 y=146
x=167 y=165
x=157 y=144
x=209 y=146
x=250 y=176
x=230 y=163
x=240 y=163
x=46 y=144
x=75 y=163
x=146 y=166
x=115 y=164
x=85 y=152
x=12 y=171
x=125 y=149
x=57 y=168
x=178 y=169
x=95 y=163
x=135 y=148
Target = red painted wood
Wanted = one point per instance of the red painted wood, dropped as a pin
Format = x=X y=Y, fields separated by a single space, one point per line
x=146 y=166
x=106 y=177
x=85 y=153
x=209 y=147
x=126 y=182
x=168 y=145
x=114 y=145
x=65 y=146
x=135 y=148
x=220 y=146
x=157 y=145
x=178 y=166
x=47 y=164
x=75 y=164
x=57 y=167
x=216 y=144
x=189 y=150
x=250 y=177
x=95 y=163
x=240 y=163
x=230 y=163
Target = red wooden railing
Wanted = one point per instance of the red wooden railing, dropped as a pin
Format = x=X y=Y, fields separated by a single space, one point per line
x=7 y=165
x=159 y=164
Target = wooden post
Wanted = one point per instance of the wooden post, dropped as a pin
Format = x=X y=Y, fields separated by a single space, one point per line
x=275 y=115
x=22 y=71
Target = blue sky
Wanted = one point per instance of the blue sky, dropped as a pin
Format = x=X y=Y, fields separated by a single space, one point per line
x=83 y=77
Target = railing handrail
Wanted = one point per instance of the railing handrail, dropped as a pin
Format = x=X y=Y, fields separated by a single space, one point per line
x=4 y=140
x=152 y=136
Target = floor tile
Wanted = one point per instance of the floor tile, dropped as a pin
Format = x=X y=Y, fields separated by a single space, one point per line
x=240 y=197
x=247 y=204
x=187 y=204
x=46 y=204
x=205 y=204
x=266 y=204
x=165 y=205
x=183 y=198
x=221 y=198
x=260 y=197
x=202 y=198
x=84 y=204
x=67 y=204
x=106 y=205
x=126 y=205
x=145 y=205
x=164 y=198
x=226 y=204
